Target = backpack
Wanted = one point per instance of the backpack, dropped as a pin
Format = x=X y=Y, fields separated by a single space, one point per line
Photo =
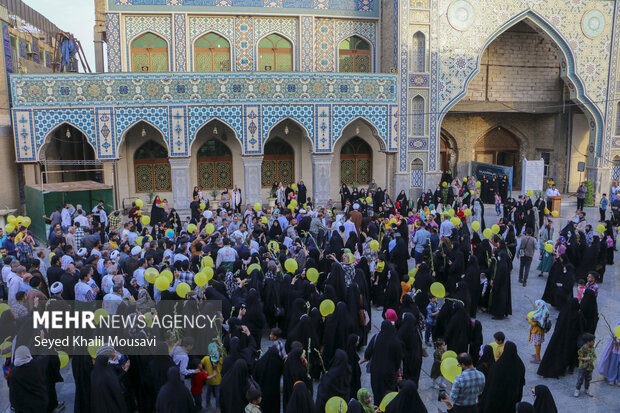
x=610 y=241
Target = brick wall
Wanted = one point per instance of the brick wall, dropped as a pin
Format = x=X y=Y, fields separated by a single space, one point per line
x=519 y=66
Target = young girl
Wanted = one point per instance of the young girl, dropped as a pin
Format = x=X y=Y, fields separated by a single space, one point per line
x=498 y=203
x=538 y=322
x=440 y=348
x=609 y=366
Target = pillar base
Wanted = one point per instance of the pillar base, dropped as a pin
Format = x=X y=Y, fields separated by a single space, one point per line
x=432 y=179
x=601 y=178
x=181 y=195
x=252 y=173
x=321 y=176
x=401 y=182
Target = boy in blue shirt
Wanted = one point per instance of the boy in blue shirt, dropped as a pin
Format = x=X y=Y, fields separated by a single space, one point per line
x=603 y=207
x=432 y=310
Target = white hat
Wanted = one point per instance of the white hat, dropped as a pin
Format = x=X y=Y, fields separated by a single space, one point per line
x=114 y=254
x=82 y=251
x=136 y=250
x=56 y=287
x=356 y=206
x=303 y=211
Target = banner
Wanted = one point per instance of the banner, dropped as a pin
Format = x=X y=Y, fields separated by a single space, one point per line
x=480 y=170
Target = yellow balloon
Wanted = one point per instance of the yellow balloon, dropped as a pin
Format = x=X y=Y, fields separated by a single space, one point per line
x=438 y=290
x=327 y=307
x=151 y=275
x=168 y=276
x=546 y=210
x=455 y=221
x=555 y=213
x=293 y=202
x=63 y=357
x=451 y=212
x=464 y=179
x=200 y=278
x=209 y=228
x=26 y=222
x=8 y=228
x=191 y=228
x=368 y=200
x=601 y=228
x=548 y=247
x=475 y=225
x=412 y=272
x=253 y=267
x=312 y=275
x=478 y=184
x=203 y=205
x=530 y=193
x=3 y=307
x=444 y=184
x=617 y=332
x=290 y=265
x=386 y=400
x=100 y=313
x=495 y=229
x=487 y=233
x=467 y=212
x=336 y=404
x=264 y=219
x=145 y=219
x=274 y=246
x=183 y=289
x=139 y=203
x=19 y=219
x=529 y=315
x=448 y=354
x=257 y=206
x=209 y=273
x=374 y=245
x=206 y=262
x=3 y=346
x=294 y=187
x=450 y=369
x=162 y=282
x=11 y=219
x=139 y=241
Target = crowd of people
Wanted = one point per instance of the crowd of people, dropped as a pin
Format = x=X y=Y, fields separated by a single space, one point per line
x=429 y=267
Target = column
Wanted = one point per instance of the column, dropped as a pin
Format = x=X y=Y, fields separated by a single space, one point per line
x=600 y=176
x=252 y=174
x=181 y=195
x=321 y=176
x=108 y=179
x=432 y=179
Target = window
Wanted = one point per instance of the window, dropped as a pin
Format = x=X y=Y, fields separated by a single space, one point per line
x=418 y=53
x=546 y=156
x=149 y=53
x=615 y=169
x=212 y=54
x=417 y=116
x=617 y=120
x=214 y=165
x=354 y=55
x=356 y=162
x=152 y=168
x=417 y=173
x=275 y=53
x=278 y=163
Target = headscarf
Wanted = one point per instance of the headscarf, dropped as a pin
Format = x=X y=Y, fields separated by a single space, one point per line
x=214 y=352
x=543 y=400
x=541 y=314
x=407 y=400
x=362 y=395
x=22 y=356
x=525 y=407
x=604 y=363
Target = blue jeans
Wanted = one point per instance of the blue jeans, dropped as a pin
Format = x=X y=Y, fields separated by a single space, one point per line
x=498 y=209
x=418 y=256
x=215 y=390
x=428 y=331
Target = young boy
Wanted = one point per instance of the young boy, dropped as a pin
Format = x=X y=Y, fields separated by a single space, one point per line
x=254 y=397
x=587 y=356
x=484 y=292
x=581 y=288
x=212 y=364
x=274 y=336
x=440 y=348
x=602 y=208
x=500 y=339
x=198 y=380
x=498 y=203
x=432 y=310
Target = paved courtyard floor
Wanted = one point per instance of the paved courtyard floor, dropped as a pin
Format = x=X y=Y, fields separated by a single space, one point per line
x=606 y=398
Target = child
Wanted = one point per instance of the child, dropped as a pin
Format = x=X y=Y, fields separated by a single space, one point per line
x=498 y=203
x=432 y=310
x=581 y=288
x=603 y=207
x=440 y=348
x=586 y=356
x=274 y=336
x=609 y=366
x=212 y=364
x=500 y=339
x=484 y=292
x=254 y=397
x=539 y=322
x=365 y=399
x=198 y=380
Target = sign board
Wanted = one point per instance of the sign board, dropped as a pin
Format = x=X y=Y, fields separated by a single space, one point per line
x=532 y=175
x=480 y=170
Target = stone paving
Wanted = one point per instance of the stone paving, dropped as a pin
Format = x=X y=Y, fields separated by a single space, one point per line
x=606 y=398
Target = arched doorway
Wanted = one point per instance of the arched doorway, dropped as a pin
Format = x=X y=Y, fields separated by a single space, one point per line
x=67 y=157
x=499 y=146
x=278 y=163
x=447 y=153
x=152 y=169
x=215 y=166
x=356 y=162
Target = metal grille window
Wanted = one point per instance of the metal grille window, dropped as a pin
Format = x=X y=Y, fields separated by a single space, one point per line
x=149 y=53
x=275 y=53
x=615 y=169
x=354 y=55
x=417 y=127
x=152 y=168
x=417 y=173
x=278 y=163
x=212 y=54
x=214 y=165
x=546 y=157
x=418 y=52
x=356 y=162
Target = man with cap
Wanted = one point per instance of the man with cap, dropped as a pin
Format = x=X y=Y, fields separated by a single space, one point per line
x=132 y=263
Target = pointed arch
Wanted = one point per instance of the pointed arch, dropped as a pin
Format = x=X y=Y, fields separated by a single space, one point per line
x=418 y=52
x=275 y=53
x=278 y=121
x=278 y=162
x=355 y=162
x=149 y=52
x=355 y=55
x=152 y=168
x=212 y=53
x=373 y=128
x=615 y=168
x=417 y=123
x=417 y=173
x=212 y=119
x=123 y=133
x=51 y=131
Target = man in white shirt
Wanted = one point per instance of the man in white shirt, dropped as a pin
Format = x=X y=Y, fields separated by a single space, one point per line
x=445 y=230
x=112 y=300
x=65 y=217
x=15 y=282
x=552 y=191
x=81 y=219
x=84 y=289
x=138 y=274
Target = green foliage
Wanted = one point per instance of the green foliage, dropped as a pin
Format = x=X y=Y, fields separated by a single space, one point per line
x=589 y=202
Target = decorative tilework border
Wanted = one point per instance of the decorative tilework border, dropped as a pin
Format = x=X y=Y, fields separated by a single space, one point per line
x=113 y=34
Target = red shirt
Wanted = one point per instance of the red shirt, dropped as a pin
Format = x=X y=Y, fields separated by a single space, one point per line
x=198 y=380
